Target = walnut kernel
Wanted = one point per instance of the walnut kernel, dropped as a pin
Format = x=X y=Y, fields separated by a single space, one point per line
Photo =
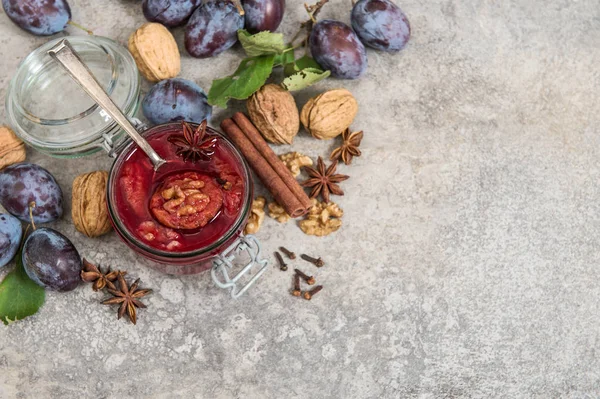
x=322 y=219
x=257 y=215
x=277 y=212
x=295 y=161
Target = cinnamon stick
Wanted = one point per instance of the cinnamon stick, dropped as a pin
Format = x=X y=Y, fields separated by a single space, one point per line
x=263 y=148
x=263 y=170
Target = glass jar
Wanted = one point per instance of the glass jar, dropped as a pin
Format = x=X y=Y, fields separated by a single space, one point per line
x=50 y=112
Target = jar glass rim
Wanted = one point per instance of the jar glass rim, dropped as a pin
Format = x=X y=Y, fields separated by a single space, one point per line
x=121 y=78
x=130 y=238
x=31 y=58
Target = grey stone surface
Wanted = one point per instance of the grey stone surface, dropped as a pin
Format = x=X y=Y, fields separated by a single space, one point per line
x=468 y=263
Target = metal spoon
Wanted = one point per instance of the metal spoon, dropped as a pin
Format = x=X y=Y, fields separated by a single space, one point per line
x=67 y=57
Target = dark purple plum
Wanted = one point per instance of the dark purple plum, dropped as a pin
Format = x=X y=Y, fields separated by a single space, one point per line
x=213 y=28
x=11 y=233
x=263 y=15
x=40 y=17
x=170 y=13
x=51 y=260
x=380 y=24
x=24 y=183
x=176 y=100
x=335 y=47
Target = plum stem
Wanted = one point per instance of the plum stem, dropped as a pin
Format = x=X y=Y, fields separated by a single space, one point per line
x=307 y=25
x=31 y=206
x=75 y=24
x=238 y=5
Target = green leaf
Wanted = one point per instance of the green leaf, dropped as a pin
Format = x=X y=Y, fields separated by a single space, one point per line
x=261 y=43
x=304 y=78
x=307 y=62
x=248 y=78
x=300 y=64
x=19 y=295
x=284 y=59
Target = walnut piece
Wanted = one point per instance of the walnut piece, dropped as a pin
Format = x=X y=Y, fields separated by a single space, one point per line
x=322 y=219
x=295 y=161
x=277 y=212
x=155 y=52
x=257 y=215
x=329 y=114
x=89 y=212
x=273 y=111
x=12 y=149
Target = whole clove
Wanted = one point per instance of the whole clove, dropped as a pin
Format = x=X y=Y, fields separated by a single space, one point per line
x=282 y=265
x=288 y=253
x=310 y=280
x=309 y=294
x=296 y=291
x=318 y=262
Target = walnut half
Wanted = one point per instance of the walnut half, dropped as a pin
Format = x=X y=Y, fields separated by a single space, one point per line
x=257 y=215
x=322 y=219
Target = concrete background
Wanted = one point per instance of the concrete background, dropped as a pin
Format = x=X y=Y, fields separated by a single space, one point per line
x=468 y=263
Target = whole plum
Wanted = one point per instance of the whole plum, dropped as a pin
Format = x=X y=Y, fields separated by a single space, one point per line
x=380 y=24
x=175 y=100
x=11 y=233
x=170 y=13
x=24 y=183
x=263 y=15
x=213 y=28
x=51 y=260
x=335 y=47
x=40 y=17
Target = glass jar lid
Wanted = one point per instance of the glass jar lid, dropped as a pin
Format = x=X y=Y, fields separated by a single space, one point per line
x=51 y=112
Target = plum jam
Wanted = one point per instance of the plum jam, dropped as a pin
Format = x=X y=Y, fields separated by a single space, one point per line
x=194 y=201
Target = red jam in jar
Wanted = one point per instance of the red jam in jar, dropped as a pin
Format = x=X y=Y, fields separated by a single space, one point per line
x=193 y=201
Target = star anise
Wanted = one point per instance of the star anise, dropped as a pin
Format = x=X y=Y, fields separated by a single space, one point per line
x=194 y=145
x=128 y=297
x=349 y=147
x=92 y=274
x=324 y=181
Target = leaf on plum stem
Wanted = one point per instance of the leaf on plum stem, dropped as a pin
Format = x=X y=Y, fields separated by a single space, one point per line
x=284 y=59
x=262 y=43
x=304 y=78
x=301 y=63
x=248 y=78
x=19 y=295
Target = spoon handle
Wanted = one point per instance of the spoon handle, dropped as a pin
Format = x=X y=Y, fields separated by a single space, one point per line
x=67 y=57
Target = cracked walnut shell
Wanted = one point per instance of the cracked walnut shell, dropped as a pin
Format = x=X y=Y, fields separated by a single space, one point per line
x=322 y=219
x=155 y=52
x=327 y=115
x=257 y=215
x=90 y=213
x=277 y=212
x=295 y=161
x=12 y=149
x=273 y=111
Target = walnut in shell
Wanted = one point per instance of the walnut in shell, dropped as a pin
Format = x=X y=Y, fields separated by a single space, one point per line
x=295 y=161
x=277 y=212
x=329 y=114
x=12 y=149
x=273 y=111
x=90 y=213
x=322 y=219
x=155 y=52
x=257 y=215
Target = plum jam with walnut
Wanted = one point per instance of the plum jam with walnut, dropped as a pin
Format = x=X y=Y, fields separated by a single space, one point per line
x=192 y=201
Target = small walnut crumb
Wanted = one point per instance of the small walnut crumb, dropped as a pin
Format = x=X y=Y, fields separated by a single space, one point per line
x=322 y=219
x=277 y=212
x=257 y=215
x=295 y=161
